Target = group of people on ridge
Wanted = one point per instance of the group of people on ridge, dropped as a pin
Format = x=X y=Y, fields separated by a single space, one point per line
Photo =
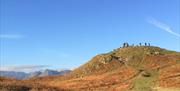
x=140 y=44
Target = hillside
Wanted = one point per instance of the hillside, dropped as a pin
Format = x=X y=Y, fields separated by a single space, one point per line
x=130 y=68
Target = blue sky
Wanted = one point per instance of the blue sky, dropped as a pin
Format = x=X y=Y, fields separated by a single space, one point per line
x=68 y=33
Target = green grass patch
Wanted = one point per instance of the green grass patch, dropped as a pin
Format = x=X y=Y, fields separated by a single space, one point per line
x=178 y=61
x=145 y=83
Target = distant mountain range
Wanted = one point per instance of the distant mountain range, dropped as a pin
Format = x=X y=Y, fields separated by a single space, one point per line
x=23 y=75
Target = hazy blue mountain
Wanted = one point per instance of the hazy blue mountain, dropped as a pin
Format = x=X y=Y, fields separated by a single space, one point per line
x=34 y=74
x=13 y=74
x=48 y=72
x=23 y=75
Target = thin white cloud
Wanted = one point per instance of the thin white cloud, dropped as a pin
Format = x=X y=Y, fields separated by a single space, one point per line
x=10 y=36
x=24 y=68
x=162 y=26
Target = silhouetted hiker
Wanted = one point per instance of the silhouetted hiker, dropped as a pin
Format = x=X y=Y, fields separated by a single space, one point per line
x=149 y=44
x=145 y=44
x=127 y=44
x=140 y=44
x=124 y=44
